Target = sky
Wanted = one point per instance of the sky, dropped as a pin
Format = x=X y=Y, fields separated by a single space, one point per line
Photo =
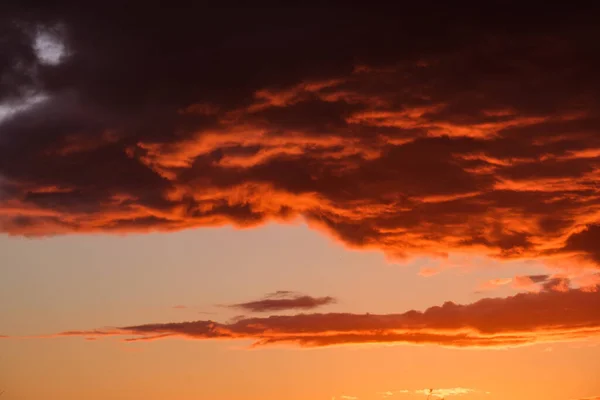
x=299 y=203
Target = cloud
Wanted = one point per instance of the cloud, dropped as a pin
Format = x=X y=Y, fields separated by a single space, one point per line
x=428 y=271
x=526 y=318
x=390 y=393
x=586 y=242
x=525 y=280
x=539 y=282
x=520 y=282
x=48 y=45
x=433 y=393
x=558 y=282
x=480 y=140
x=443 y=393
x=495 y=283
x=284 y=300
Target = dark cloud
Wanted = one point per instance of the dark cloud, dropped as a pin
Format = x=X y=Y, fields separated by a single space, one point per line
x=538 y=283
x=538 y=278
x=525 y=318
x=430 y=130
x=284 y=300
x=586 y=242
x=558 y=284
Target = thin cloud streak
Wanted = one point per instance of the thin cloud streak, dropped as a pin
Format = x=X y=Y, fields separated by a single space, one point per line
x=284 y=300
x=443 y=393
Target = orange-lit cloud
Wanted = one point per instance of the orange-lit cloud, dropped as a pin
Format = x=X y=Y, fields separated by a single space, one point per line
x=520 y=282
x=284 y=300
x=529 y=282
x=526 y=318
x=428 y=271
x=495 y=283
x=486 y=143
x=535 y=283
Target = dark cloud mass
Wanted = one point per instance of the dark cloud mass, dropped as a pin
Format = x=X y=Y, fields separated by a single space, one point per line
x=526 y=318
x=284 y=300
x=423 y=130
x=587 y=241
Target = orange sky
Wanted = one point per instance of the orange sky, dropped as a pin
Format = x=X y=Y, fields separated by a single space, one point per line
x=299 y=203
x=194 y=275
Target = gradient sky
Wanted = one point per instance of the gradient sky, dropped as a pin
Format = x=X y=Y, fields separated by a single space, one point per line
x=307 y=203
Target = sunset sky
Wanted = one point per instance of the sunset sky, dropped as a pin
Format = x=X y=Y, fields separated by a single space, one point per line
x=299 y=203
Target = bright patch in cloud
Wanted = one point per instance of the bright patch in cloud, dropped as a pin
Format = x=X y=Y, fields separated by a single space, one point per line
x=49 y=48
x=9 y=109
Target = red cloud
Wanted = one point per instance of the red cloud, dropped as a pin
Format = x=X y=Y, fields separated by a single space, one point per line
x=525 y=318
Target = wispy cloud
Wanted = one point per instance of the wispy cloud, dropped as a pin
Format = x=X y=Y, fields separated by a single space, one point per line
x=443 y=393
x=428 y=271
x=433 y=393
x=284 y=300
x=390 y=393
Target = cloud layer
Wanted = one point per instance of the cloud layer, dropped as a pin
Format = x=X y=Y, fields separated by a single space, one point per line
x=368 y=125
x=525 y=318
